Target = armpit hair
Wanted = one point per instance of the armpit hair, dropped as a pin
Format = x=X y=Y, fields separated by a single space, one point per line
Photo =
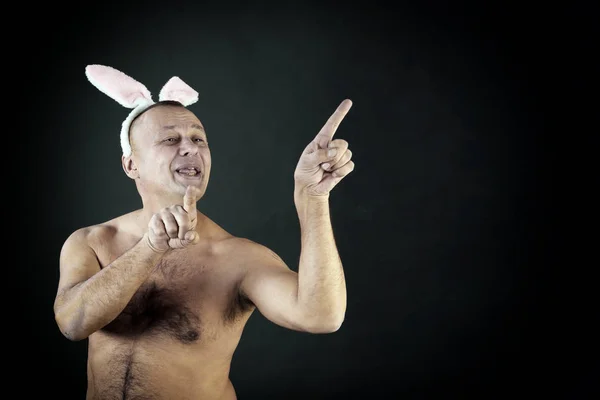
x=239 y=304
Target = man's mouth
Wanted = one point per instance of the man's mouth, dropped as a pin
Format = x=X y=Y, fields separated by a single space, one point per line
x=188 y=171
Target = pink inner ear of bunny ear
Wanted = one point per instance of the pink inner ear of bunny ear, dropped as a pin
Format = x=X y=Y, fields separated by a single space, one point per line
x=178 y=90
x=120 y=87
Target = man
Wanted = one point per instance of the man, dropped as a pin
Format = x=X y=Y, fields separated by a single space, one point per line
x=163 y=293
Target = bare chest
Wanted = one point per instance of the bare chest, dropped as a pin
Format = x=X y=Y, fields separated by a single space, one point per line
x=190 y=297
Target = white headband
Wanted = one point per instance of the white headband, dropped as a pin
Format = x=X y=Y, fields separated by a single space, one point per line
x=132 y=94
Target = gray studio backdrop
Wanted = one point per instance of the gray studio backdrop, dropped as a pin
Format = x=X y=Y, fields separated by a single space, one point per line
x=435 y=225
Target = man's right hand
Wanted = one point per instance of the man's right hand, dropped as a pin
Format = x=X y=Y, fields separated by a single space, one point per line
x=174 y=227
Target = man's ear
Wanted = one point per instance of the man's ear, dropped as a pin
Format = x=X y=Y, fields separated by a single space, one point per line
x=129 y=167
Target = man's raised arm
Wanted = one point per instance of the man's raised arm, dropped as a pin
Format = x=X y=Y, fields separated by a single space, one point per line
x=314 y=299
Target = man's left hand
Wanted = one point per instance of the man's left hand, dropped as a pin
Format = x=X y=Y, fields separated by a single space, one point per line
x=324 y=162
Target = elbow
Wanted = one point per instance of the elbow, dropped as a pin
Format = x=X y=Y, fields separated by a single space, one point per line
x=74 y=335
x=69 y=331
x=326 y=324
x=69 y=327
x=325 y=317
x=326 y=328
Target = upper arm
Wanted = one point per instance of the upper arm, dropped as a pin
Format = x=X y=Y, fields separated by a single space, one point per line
x=77 y=262
x=272 y=286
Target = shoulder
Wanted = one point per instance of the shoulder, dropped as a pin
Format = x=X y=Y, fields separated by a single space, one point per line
x=251 y=253
x=92 y=234
x=248 y=246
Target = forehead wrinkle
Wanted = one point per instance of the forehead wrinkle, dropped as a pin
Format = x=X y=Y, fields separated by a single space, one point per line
x=156 y=121
x=179 y=128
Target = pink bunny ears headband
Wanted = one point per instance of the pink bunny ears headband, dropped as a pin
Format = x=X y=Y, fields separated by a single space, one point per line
x=132 y=94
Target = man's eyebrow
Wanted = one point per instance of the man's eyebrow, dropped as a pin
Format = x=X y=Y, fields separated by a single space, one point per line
x=195 y=126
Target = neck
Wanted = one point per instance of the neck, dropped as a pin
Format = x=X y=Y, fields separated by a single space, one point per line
x=154 y=203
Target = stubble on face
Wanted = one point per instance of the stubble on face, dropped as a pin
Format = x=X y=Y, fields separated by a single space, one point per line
x=153 y=157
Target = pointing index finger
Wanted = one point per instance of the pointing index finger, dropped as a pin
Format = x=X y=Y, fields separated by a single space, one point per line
x=326 y=133
x=189 y=202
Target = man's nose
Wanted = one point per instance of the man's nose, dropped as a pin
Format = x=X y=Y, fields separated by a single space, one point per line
x=188 y=147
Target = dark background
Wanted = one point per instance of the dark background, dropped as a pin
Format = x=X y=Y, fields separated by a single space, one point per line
x=448 y=227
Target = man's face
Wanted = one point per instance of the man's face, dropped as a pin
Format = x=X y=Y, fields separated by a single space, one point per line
x=169 y=150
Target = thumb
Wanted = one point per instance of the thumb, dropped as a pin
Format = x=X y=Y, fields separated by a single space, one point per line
x=191 y=237
x=324 y=155
x=177 y=243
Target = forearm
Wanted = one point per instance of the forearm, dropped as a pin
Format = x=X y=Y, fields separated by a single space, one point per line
x=321 y=281
x=93 y=303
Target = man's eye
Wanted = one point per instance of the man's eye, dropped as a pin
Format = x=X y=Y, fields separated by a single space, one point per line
x=170 y=139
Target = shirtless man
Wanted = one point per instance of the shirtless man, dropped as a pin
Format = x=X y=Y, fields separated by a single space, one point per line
x=163 y=293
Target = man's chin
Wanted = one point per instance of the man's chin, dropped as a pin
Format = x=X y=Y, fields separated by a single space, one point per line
x=199 y=185
x=190 y=179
